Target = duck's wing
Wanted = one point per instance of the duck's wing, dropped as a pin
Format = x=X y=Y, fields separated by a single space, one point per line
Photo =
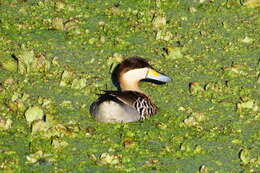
x=138 y=101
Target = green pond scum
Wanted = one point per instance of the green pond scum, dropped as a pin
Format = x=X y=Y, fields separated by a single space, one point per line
x=56 y=55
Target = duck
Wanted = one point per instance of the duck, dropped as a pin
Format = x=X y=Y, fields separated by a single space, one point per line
x=129 y=103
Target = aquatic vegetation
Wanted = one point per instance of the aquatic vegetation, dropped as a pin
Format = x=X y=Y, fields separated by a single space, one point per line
x=58 y=143
x=252 y=3
x=34 y=113
x=55 y=56
x=106 y=158
x=10 y=65
x=194 y=119
x=39 y=126
x=173 y=53
x=39 y=157
x=5 y=123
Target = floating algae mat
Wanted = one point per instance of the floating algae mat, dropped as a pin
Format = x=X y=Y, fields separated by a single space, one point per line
x=55 y=56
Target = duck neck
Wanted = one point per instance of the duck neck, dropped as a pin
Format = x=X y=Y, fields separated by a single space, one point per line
x=130 y=85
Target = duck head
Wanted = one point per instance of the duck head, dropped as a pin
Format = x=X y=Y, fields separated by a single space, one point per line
x=132 y=70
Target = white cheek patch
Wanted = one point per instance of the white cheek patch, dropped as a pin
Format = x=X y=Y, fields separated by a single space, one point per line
x=135 y=74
